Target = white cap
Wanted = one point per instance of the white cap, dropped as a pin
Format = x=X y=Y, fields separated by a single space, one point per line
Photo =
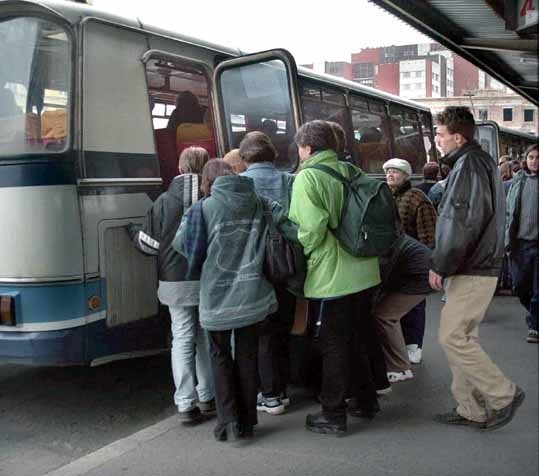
x=399 y=164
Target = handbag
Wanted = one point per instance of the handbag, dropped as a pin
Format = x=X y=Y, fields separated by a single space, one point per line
x=279 y=261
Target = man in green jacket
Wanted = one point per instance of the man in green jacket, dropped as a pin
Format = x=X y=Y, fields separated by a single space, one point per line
x=337 y=282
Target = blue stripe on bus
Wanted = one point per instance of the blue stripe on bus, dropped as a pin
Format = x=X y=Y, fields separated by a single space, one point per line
x=37 y=172
x=81 y=345
x=53 y=301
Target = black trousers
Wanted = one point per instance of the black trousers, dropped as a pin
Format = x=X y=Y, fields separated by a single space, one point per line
x=413 y=324
x=525 y=271
x=235 y=378
x=345 y=336
x=274 y=345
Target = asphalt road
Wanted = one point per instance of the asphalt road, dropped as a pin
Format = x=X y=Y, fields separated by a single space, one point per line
x=50 y=417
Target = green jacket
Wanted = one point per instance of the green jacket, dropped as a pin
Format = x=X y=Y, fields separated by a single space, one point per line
x=316 y=204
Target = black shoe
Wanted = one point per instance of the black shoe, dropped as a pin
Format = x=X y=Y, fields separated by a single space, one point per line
x=363 y=411
x=453 y=418
x=207 y=407
x=219 y=432
x=191 y=417
x=246 y=430
x=331 y=425
x=503 y=416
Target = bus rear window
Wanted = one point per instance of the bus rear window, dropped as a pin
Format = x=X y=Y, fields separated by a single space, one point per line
x=34 y=89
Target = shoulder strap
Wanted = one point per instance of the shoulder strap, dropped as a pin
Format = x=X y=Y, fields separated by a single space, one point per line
x=333 y=173
x=268 y=217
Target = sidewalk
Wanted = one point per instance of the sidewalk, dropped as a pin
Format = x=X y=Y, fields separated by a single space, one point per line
x=402 y=440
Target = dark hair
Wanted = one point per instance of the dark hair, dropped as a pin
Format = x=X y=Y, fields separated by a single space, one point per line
x=530 y=148
x=458 y=120
x=431 y=170
x=188 y=108
x=257 y=147
x=340 y=136
x=444 y=171
x=318 y=135
x=214 y=168
x=269 y=127
x=192 y=160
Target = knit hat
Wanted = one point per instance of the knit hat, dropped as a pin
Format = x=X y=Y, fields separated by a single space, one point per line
x=399 y=164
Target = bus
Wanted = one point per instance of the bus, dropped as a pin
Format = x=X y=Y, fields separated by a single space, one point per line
x=499 y=141
x=91 y=124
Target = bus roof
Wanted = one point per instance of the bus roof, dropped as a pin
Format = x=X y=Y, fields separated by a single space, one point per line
x=75 y=13
x=507 y=130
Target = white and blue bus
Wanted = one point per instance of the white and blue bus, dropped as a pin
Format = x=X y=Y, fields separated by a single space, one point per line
x=86 y=144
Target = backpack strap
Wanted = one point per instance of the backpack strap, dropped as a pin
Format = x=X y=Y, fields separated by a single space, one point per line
x=333 y=173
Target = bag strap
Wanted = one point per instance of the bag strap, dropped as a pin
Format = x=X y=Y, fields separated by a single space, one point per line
x=268 y=217
x=333 y=173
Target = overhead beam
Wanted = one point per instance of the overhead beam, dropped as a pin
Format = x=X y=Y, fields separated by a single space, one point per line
x=495 y=44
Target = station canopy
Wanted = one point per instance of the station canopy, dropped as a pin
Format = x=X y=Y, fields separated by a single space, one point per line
x=498 y=36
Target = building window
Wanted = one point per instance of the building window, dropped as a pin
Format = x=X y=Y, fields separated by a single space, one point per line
x=507 y=114
x=482 y=114
x=363 y=70
x=528 y=115
x=406 y=74
x=418 y=74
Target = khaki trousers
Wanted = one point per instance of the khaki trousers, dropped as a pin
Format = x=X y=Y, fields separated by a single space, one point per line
x=388 y=313
x=477 y=381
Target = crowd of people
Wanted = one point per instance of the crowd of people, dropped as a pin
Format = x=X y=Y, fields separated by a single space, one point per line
x=231 y=321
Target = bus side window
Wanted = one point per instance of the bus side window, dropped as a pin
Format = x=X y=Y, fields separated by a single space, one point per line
x=407 y=138
x=179 y=100
x=328 y=105
x=371 y=137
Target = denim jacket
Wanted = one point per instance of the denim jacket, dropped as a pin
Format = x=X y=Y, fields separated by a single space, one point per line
x=271 y=182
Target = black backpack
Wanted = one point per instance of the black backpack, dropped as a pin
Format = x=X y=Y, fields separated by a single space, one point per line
x=369 y=222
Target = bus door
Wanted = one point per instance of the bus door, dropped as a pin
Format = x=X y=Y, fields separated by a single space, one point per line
x=259 y=92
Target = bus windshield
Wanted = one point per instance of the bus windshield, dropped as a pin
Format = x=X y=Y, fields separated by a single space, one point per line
x=34 y=86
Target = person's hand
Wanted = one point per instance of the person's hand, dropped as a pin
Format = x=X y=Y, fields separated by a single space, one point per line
x=435 y=281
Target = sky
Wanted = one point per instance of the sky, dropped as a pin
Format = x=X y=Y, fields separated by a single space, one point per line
x=311 y=31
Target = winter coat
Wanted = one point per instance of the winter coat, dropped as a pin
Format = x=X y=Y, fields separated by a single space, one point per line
x=417 y=214
x=406 y=268
x=233 y=290
x=271 y=182
x=317 y=201
x=513 y=203
x=470 y=227
x=156 y=235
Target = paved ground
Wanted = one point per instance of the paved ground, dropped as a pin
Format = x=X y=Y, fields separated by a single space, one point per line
x=403 y=440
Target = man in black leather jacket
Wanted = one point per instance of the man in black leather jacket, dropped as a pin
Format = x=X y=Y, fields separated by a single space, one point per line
x=468 y=255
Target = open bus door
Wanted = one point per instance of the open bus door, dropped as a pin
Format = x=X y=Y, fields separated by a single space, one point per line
x=259 y=92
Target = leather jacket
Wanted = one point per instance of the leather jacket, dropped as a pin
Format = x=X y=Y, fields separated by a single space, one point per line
x=470 y=226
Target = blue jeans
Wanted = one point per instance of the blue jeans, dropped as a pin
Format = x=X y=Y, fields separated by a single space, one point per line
x=191 y=366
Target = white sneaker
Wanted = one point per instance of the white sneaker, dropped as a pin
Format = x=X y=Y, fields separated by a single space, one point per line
x=414 y=353
x=400 y=376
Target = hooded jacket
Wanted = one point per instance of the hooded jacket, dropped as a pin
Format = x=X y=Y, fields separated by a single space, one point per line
x=162 y=222
x=470 y=226
x=316 y=206
x=234 y=292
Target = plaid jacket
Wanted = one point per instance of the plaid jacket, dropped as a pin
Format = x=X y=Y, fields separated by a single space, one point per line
x=417 y=214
